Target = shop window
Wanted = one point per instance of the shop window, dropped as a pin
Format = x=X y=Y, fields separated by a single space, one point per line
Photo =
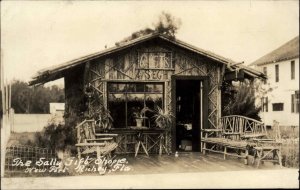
x=125 y=99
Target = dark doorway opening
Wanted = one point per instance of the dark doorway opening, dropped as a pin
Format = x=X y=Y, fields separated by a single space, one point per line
x=188 y=115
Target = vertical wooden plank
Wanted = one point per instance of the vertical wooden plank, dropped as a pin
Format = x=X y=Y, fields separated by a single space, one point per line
x=201 y=115
x=98 y=152
x=173 y=111
x=93 y=129
x=219 y=107
x=104 y=96
x=279 y=157
x=78 y=135
x=106 y=68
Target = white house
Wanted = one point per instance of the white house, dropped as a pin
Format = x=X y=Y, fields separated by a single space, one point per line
x=282 y=69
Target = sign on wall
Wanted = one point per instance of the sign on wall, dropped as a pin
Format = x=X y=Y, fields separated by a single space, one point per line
x=154 y=65
x=155 y=60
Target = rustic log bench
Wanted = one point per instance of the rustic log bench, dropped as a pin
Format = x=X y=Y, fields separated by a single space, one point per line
x=239 y=136
x=88 y=141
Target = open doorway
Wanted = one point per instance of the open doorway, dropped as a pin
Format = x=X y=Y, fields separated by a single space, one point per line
x=188 y=114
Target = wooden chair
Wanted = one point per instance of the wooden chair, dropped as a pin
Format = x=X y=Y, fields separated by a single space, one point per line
x=88 y=141
x=269 y=149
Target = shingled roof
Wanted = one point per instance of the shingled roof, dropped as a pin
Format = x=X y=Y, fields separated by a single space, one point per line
x=55 y=72
x=289 y=50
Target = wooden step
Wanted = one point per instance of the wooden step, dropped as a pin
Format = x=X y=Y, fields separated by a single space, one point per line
x=105 y=135
x=90 y=144
x=101 y=139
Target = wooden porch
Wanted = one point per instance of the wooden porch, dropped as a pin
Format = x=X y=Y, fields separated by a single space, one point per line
x=185 y=162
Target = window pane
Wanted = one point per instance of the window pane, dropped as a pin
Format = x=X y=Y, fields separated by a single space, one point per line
x=117 y=106
x=278 y=107
x=121 y=87
x=112 y=87
x=153 y=101
x=131 y=87
x=117 y=97
x=276 y=73
x=135 y=103
x=154 y=88
x=292 y=69
x=140 y=87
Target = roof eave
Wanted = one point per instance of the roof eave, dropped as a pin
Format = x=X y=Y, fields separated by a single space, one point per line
x=276 y=61
x=41 y=76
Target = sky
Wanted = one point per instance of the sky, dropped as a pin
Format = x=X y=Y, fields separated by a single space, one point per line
x=39 y=34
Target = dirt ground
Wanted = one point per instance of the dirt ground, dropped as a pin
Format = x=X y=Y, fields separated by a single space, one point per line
x=283 y=178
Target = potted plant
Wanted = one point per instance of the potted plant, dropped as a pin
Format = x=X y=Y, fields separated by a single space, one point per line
x=162 y=118
x=139 y=116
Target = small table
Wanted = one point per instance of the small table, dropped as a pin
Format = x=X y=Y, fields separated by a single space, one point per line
x=140 y=142
x=144 y=131
x=147 y=138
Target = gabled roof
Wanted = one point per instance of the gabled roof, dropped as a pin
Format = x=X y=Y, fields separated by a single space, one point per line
x=289 y=50
x=53 y=73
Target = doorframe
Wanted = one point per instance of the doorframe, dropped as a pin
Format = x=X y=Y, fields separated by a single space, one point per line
x=204 y=103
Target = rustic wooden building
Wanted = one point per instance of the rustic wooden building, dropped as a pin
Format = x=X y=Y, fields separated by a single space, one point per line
x=150 y=71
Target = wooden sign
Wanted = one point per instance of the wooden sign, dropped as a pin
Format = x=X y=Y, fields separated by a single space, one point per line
x=155 y=60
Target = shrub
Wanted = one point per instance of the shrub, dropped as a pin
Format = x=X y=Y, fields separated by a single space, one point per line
x=290 y=145
x=290 y=153
x=57 y=137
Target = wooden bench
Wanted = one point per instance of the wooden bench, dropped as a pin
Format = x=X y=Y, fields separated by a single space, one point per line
x=239 y=136
x=88 y=141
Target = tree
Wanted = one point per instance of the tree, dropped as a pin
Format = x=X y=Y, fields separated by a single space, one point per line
x=166 y=24
x=20 y=98
x=26 y=99
x=240 y=100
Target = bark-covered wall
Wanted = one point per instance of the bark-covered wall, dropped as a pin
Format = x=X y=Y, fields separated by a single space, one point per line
x=124 y=66
x=75 y=101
